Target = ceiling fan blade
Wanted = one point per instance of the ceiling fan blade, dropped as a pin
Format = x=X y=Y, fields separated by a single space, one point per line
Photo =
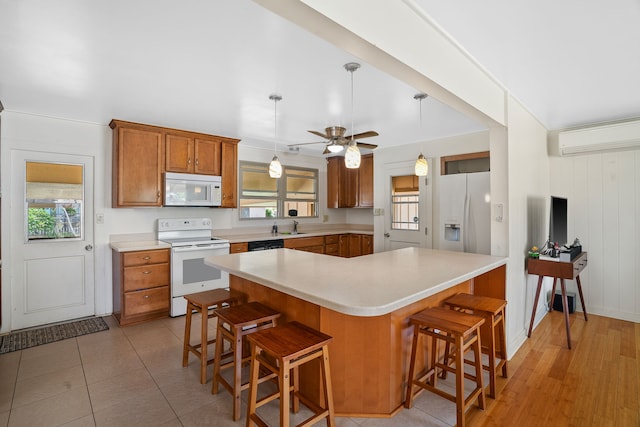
x=306 y=143
x=365 y=145
x=367 y=134
x=320 y=134
x=326 y=151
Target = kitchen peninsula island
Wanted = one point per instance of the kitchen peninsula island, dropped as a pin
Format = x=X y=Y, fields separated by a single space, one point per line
x=364 y=303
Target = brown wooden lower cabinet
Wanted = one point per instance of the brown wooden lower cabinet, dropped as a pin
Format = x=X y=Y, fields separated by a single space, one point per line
x=236 y=248
x=141 y=285
x=310 y=244
x=367 y=244
x=355 y=245
x=344 y=245
x=332 y=244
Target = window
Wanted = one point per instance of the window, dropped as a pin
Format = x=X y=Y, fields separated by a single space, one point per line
x=54 y=197
x=295 y=194
x=465 y=163
x=405 y=203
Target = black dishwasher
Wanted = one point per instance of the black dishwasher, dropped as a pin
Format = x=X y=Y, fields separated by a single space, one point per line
x=263 y=245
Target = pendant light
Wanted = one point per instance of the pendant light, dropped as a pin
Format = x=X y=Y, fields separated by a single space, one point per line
x=422 y=167
x=275 y=167
x=352 y=155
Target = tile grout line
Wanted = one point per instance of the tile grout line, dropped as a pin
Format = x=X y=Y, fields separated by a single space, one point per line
x=15 y=386
x=153 y=378
x=86 y=384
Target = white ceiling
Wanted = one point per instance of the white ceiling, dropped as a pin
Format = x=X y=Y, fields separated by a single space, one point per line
x=210 y=66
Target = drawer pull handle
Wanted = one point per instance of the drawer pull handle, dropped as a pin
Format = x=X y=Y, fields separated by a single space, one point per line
x=147 y=257
x=146 y=272
x=146 y=296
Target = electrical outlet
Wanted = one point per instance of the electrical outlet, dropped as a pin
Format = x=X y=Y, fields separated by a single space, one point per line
x=99 y=218
x=325 y=218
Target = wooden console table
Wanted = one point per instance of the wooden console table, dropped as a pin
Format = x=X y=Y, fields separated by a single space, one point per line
x=558 y=270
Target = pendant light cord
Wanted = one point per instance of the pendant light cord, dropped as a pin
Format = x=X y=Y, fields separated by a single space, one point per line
x=352 y=130
x=275 y=98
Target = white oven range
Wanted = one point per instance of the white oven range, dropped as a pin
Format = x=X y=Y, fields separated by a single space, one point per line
x=191 y=242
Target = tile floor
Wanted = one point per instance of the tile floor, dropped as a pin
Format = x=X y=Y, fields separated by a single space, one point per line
x=133 y=376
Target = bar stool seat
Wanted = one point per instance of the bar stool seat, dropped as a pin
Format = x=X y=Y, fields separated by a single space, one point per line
x=234 y=323
x=290 y=345
x=461 y=330
x=493 y=310
x=202 y=302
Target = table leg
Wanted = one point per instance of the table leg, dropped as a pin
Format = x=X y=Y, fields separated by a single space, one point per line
x=553 y=293
x=584 y=309
x=565 y=307
x=535 y=304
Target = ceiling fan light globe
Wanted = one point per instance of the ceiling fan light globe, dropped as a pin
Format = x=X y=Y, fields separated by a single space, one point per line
x=275 y=168
x=335 y=148
x=422 y=167
x=352 y=157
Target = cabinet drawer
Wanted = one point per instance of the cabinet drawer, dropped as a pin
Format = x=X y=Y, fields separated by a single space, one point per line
x=315 y=249
x=331 y=239
x=332 y=249
x=146 y=301
x=301 y=242
x=145 y=257
x=145 y=276
x=579 y=264
x=239 y=247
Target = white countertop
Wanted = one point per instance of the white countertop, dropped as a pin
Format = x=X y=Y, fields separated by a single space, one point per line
x=369 y=285
x=146 y=245
x=133 y=242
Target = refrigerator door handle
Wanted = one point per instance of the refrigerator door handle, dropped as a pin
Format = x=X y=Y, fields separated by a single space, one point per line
x=465 y=224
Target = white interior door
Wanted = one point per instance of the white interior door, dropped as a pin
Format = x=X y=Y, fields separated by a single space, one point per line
x=52 y=260
x=407 y=223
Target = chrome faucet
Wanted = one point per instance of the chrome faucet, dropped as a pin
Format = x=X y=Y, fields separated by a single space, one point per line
x=295 y=227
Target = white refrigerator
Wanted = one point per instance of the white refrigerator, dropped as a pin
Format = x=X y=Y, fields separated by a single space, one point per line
x=465 y=213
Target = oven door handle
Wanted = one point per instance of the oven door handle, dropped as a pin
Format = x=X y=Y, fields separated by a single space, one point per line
x=200 y=248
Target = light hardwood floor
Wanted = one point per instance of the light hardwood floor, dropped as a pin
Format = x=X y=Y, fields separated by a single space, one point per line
x=597 y=383
x=134 y=376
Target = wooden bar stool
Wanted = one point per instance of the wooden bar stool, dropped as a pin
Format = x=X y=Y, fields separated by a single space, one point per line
x=291 y=345
x=493 y=310
x=234 y=323
x=463 y=331
x=202 y=302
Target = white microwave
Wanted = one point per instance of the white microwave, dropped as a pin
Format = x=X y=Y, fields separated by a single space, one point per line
x=185 y=189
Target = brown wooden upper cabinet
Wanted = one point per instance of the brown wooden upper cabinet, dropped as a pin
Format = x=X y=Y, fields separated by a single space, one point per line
x=142 y=153
x=350 y=188
x=229 y=172
x=192 y=155
x=138 y=158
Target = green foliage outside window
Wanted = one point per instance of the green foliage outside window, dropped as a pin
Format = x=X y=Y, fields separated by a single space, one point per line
x=41 y=222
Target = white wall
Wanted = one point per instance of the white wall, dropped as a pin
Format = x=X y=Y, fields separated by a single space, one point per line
x=46 y=134
x=528 y=189
x=603 y=191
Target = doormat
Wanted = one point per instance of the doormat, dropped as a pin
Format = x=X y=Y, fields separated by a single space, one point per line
x=21 y=340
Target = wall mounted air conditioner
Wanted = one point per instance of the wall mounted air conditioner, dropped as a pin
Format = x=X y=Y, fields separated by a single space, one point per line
x=610 y=137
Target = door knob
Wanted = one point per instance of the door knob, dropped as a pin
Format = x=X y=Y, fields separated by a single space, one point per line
x=387 y=235
x=88 y=248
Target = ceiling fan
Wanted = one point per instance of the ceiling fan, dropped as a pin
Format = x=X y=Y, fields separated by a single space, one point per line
x=336 y=140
